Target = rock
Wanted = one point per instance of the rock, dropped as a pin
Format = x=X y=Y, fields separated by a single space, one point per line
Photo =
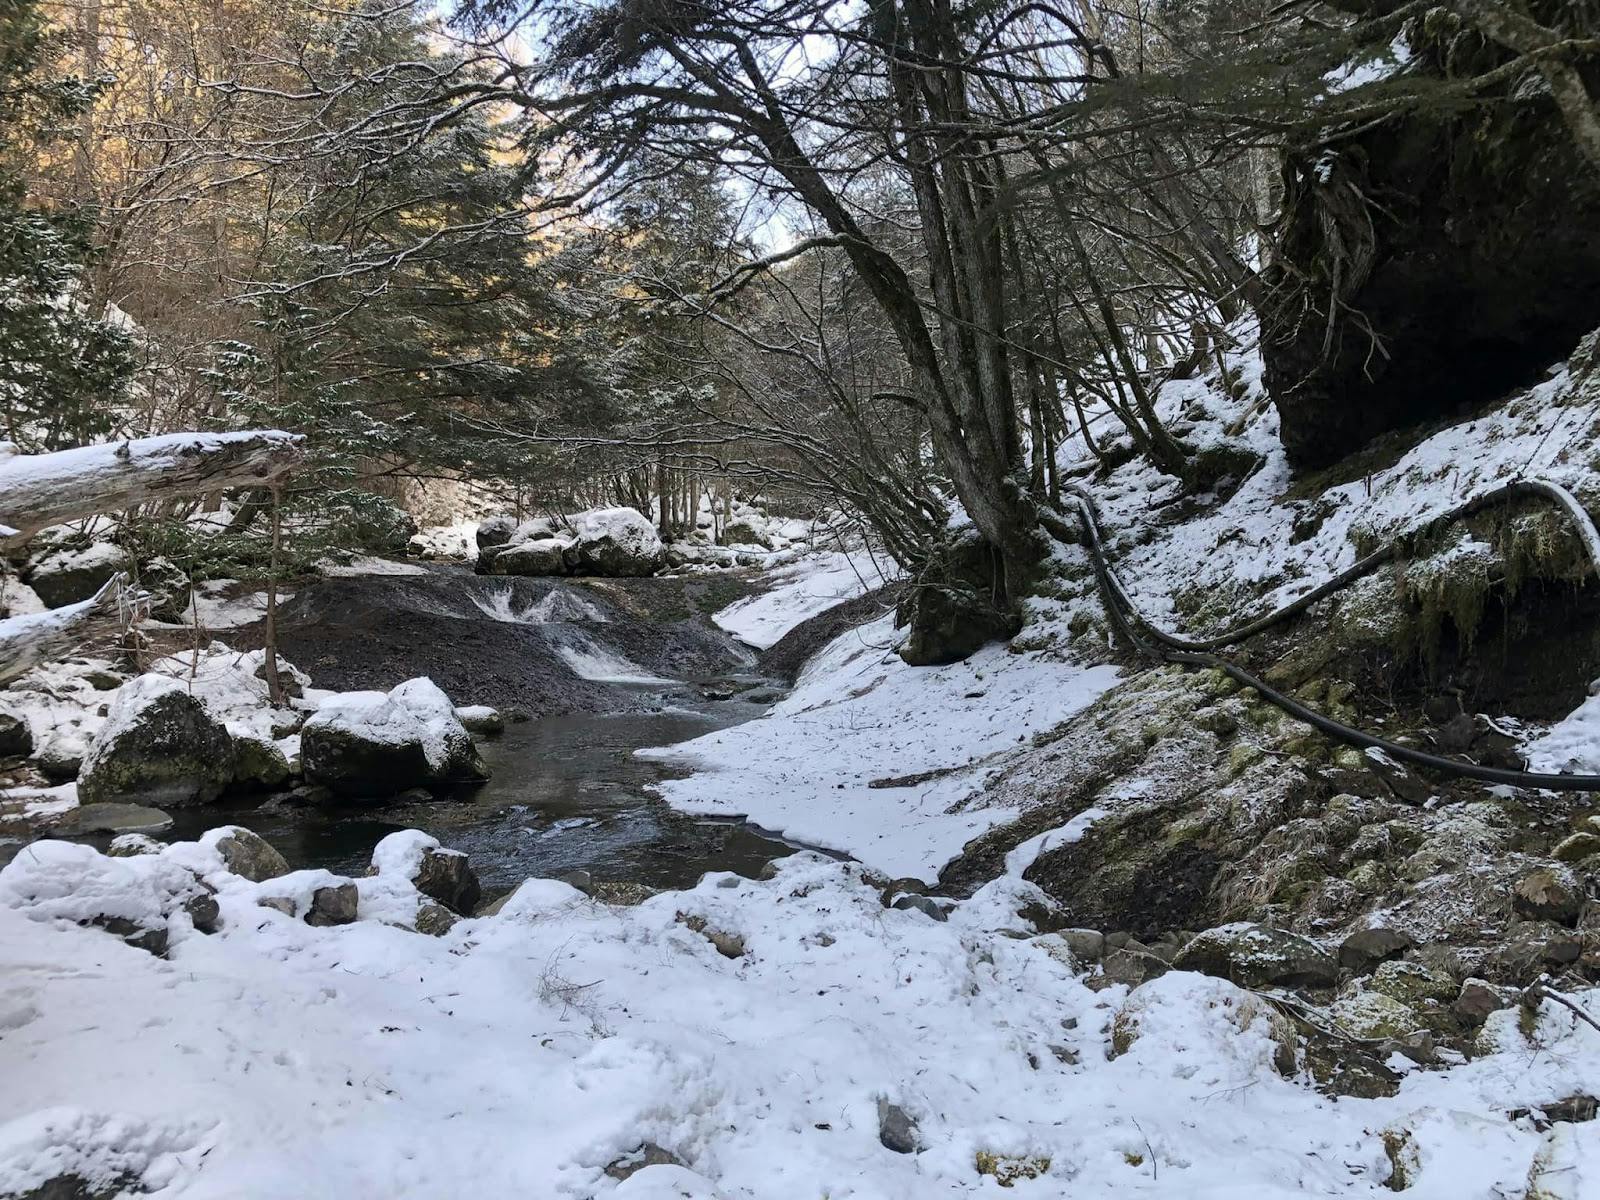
x=372 y=745
x=1372 y=1015
x=115 y=818
x=248 y=855
x=15 y=736
x=1073 y=948
x=495 y=531
x=949 y=610
x=1412 y=983
x=76 y=1187
x=480 y=718
x=278 y=904
x=1366 y=947
x=204 y=912
x=1494 y=215
x=150 y=939
x=65 y=576
x=926 y=905
x=1133 y=966
x=615 y=542
x=1576 y=848
x=159 y=746
x=743 y=533
x=446 y=876
x=1549 y=894
x=60 y=759
x=1258 y=956
x=258 y=763
x=334 y=905
x=1479 y=998
x=584 y=881
x=648 y=1154
x=435 y=920
x=545 y=556
x=131 y=845
x=897 y=1130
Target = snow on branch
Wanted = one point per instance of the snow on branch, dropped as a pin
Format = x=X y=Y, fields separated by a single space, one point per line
x=46 y=489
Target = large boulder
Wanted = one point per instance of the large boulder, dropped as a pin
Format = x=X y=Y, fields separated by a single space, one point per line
x=66 y=575
x=1462 y=245
x=744 y=533
x=542 y=556
x=369 y=745
x=159 y=746
x=615 y=542
x=1254 y=956
x=495 y=531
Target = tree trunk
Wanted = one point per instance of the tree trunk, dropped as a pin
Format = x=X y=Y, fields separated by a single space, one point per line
x=46 y=489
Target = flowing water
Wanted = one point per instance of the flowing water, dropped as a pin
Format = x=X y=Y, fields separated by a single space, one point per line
x=567 y=793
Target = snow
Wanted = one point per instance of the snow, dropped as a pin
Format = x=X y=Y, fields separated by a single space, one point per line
x=1571 y=745
x=366 y=564
x=232 y=686
x=858 y=714
x=799 y=591
x=1370 y=67
x=520 y=1054
x=209 y=609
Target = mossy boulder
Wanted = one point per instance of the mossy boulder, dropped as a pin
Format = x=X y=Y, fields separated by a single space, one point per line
x=159 y=746
x=258 y=763
x=1373 y=1015
x=1253 y=956
x=1412 y=983
x=247 y=854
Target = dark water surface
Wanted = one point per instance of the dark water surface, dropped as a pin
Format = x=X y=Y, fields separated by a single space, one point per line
x=567 y=793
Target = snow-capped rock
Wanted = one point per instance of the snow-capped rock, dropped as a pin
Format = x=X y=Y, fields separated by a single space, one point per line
x=376 y=744
x=615 y=541
x=158 y=746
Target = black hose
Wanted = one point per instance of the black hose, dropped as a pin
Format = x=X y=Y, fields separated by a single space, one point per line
x=1165 y=647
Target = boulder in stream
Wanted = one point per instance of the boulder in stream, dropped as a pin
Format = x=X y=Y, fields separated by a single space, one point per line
x=370 y=745
x=615 y=542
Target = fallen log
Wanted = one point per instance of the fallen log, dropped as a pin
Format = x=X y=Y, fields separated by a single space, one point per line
x=36 y=638
x=38 y=490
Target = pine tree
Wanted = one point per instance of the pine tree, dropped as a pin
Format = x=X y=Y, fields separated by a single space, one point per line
x=62 y=369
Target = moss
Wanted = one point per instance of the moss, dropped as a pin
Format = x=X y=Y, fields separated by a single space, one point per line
x=1373 y=1015
x=1242 y=755
x=1403 y=1159
x=1006 y=1169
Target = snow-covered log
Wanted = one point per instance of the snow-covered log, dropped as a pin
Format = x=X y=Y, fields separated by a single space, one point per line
x=29 y=640
x=38 y=490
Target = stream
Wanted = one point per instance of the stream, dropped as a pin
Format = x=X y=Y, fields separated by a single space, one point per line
x=567 y=793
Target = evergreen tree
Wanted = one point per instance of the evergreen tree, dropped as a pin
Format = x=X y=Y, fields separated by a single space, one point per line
x=62 y=369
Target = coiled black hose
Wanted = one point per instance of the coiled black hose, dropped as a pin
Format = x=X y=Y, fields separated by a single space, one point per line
x=1157 y=644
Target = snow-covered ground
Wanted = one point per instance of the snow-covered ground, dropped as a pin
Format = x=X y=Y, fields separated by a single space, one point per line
x=800 y=590
x=521 y=1054
x=857 y=715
